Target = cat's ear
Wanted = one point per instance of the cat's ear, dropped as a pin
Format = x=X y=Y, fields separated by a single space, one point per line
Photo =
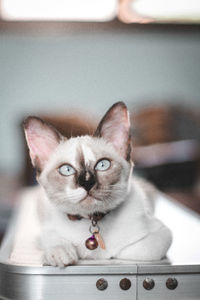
x=115 y=128
x=42 y=140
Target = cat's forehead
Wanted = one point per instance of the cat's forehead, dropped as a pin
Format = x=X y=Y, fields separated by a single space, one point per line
x=86 y=153
x=81 y=150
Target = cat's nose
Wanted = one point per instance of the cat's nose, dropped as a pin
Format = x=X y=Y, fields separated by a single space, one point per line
x=87 y=180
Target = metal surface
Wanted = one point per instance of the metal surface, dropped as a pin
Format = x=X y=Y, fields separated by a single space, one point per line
x=79 y=282
x=61 y=287
x=168 y=269
x=71 y=270
x=187 y=289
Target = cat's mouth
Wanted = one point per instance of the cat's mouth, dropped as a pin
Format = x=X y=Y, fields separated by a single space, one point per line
x=85 y=198
x=89 y=199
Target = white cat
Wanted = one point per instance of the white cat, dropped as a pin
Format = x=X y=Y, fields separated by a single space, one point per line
x=83 y=176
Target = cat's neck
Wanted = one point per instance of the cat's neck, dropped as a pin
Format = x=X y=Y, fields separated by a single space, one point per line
x=96 y=216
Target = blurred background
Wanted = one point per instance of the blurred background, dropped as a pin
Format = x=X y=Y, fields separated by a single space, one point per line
x=69 y=61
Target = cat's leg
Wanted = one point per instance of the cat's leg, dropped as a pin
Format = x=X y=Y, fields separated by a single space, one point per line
x=57 y=251
x=152 y=247
x=60 y=255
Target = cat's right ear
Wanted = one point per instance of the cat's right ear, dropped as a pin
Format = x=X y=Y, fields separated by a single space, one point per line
x=115 y=128
x=42 y=139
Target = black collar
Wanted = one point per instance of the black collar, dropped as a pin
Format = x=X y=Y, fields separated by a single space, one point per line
x=97 y=216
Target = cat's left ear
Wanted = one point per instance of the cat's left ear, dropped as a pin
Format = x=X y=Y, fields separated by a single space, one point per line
x=42 y=140
x=115 y=128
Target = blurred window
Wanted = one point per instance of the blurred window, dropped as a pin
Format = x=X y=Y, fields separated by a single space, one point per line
x=160 y=11
x=64 y=10
x=128 y=11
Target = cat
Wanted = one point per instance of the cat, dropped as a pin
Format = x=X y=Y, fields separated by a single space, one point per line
x=87 y=176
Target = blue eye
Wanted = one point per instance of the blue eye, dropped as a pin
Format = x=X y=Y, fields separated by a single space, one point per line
x=66 y=170
x=103 y=165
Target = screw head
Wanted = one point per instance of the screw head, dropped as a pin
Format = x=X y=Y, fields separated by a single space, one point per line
x=148 y=284
x=171 y=283
x=125 y=284
x=101 y=284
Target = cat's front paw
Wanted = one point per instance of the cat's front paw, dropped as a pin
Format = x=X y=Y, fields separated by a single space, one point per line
x=60 y=256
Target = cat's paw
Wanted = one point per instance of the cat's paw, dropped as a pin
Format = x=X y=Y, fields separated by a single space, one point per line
x=60 y=256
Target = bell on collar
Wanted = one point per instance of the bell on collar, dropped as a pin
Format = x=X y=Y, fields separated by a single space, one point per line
x=91 y=243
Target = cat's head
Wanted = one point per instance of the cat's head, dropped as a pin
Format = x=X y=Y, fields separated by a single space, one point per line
x=85 y=174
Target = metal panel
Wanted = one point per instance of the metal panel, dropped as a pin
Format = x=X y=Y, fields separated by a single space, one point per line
x=188 y=287
x=167 y=269
x=46 y=283
x=61 y=287
x=71 y=270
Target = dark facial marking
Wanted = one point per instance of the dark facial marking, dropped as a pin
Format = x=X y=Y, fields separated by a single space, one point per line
x=129 y=150
x=87 y=180
x=80 y=157
x=37 y=166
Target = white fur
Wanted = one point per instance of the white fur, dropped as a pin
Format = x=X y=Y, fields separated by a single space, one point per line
x=87 y=153
x=129 y=232
x=75 y=195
